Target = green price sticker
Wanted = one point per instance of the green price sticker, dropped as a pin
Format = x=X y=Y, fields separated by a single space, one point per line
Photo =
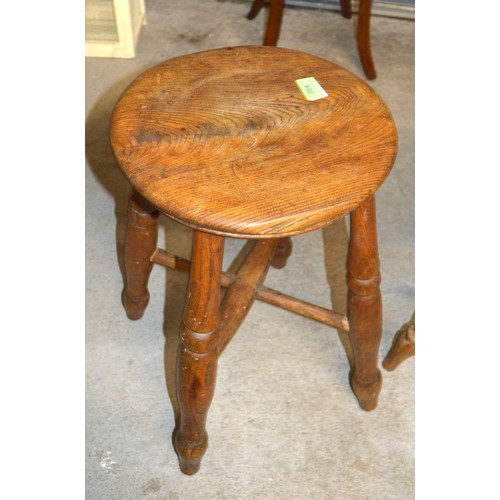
x=310 y=88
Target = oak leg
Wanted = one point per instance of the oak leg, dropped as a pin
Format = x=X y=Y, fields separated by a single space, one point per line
x=140 y=243
x=282 y=252
x=345 y=8
x=364 y=304
x=255 y=9
x=274 y=22
x=363 y=39
x=197 y=357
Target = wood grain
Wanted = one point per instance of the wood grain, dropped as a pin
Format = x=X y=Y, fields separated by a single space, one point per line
x=197 y=355
x=224 y=142
x=364 y=304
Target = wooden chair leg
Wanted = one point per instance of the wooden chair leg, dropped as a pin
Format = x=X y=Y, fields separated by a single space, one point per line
x=274 y=19
x=198 y=356
x=255 y=9
x=140 y=244
x=364 y=304
x=283 y=251
x=403 y=346
x=274 y=22
x=363 y=39
x=345 y=8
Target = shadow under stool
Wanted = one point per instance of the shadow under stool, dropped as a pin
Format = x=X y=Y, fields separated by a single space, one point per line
x=224 y=142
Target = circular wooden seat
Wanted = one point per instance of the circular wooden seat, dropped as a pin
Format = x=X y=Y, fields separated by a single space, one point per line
x=224 y=141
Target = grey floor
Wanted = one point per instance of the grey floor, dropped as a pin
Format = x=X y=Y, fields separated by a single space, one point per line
x=283 y=422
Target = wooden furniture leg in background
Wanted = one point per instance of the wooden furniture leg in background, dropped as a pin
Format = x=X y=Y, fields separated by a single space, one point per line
x=403 y=346
x=345 y=8
x=140 y=243
x=363 y=39
x=275 y=18
x=364 y=304
x=274 y=22
x=362 y=34
x=198 y=356
x=255 y=9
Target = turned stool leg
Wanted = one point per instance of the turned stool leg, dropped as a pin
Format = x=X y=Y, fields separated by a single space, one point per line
x=282 y=252
x=364 y=304
x=197 y=358
x=140 y=243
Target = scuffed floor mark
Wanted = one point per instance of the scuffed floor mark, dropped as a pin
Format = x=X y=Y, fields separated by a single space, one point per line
x=109 y=465
x=152 y=486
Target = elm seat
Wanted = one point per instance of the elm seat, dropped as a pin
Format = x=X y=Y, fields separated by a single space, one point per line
x=224 y=142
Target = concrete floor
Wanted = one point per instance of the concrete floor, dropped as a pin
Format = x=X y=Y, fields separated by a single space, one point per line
x=283 y=422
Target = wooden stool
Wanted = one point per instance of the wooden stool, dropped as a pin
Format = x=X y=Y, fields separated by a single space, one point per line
x=224 y=142
x=275 y=17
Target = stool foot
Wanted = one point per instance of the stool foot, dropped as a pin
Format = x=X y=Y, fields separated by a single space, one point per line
x=364 y=304
x=190 y=454
x=140 y=243
x=198 y=353
x=282 y=252
x=367 y=392
x=135 y=306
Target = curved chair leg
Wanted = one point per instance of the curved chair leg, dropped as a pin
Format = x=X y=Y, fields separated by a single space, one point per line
x=140 y=243
x=363 y=39
x=403 y=346
x=198 y=353
x=364 y=304
x=274 y=22
x=274 y=19
x=345 y=8
x=255 y=9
